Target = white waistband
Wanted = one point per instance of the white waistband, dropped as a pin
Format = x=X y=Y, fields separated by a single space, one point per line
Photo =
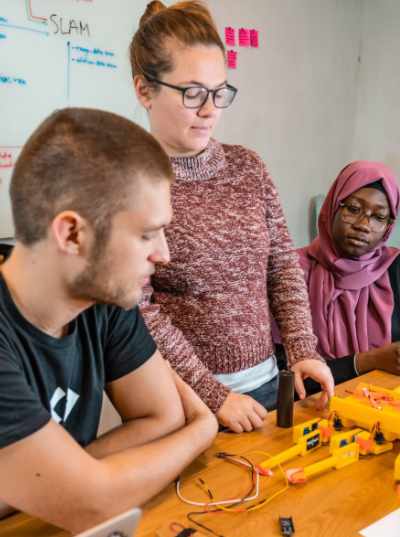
x=250 y=379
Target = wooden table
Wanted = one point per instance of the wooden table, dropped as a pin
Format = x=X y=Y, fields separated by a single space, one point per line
x=338 y=503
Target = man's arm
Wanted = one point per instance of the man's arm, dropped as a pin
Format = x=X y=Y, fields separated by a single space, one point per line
x=149 y=405
x=50 y=476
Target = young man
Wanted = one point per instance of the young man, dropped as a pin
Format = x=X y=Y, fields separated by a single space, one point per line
x=90 y=198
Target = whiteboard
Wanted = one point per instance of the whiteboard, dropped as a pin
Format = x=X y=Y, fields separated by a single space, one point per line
x=58 y=53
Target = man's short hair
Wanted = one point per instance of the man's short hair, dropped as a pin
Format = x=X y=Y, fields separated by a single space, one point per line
x=83 y=160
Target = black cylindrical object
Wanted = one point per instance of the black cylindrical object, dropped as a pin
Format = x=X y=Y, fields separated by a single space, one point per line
x=284 y=413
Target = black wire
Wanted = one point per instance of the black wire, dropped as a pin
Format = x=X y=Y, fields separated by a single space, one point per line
x=190 y=516
x=230 y=457
x=209 y=493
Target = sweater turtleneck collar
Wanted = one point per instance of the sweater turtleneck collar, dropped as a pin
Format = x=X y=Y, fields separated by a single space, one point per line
x=200 y=167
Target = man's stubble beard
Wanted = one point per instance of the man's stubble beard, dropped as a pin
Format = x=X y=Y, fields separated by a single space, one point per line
x=91 y=283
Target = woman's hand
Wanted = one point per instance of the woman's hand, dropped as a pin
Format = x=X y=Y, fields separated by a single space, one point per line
x=319 y=372
x=240 y=413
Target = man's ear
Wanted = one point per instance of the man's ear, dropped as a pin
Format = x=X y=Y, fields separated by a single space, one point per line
x=143 y=91
x=71 y=233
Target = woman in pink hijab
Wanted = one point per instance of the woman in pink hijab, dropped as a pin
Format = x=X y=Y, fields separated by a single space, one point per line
x=353 y=278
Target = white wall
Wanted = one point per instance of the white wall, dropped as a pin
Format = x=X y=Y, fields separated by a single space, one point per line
x=377 y=132
x=297 y=93
x=81 y=61
x=306 y=103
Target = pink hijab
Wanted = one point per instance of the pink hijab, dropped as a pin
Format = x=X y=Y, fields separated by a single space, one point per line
x=351 y=299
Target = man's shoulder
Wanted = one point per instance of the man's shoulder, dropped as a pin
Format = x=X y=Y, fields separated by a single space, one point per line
x=8 y=325
x=102 y=320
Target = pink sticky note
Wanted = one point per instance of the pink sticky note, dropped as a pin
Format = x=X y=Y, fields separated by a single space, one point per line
x=254 y=38
x=230 y=36
x=232 y=59
x=244 y=37
x=6 y=160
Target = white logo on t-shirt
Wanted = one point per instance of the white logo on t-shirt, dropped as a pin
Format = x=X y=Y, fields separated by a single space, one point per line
x=59 y=394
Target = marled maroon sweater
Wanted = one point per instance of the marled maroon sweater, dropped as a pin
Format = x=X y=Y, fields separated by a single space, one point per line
x=232 y=265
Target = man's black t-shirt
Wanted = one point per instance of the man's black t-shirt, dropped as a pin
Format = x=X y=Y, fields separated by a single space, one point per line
x=42 y=377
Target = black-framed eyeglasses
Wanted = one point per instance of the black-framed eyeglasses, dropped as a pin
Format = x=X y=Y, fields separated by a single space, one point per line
x=196 y=96
x=351 y=213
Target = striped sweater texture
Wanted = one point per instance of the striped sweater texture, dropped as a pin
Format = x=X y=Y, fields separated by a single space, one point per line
x=232 y=266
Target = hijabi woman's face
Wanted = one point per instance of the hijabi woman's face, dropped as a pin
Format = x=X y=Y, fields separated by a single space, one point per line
x=360 y=224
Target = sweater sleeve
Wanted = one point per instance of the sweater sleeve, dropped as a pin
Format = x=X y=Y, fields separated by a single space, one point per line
x=287 y=293
x=173 y=345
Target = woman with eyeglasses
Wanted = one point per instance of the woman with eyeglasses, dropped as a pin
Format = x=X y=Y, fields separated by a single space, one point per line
x=232 y=261
x=353 y=278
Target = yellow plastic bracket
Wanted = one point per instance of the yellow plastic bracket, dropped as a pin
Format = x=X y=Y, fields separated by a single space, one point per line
x=340 y=458
x=306 y=444
x=340 y=440
x=382 y=407
x=305 y=428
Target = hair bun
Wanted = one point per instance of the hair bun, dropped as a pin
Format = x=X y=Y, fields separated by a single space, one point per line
x=151 y=9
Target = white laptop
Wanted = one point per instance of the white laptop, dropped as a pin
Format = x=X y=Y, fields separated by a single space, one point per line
x=122 y=525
